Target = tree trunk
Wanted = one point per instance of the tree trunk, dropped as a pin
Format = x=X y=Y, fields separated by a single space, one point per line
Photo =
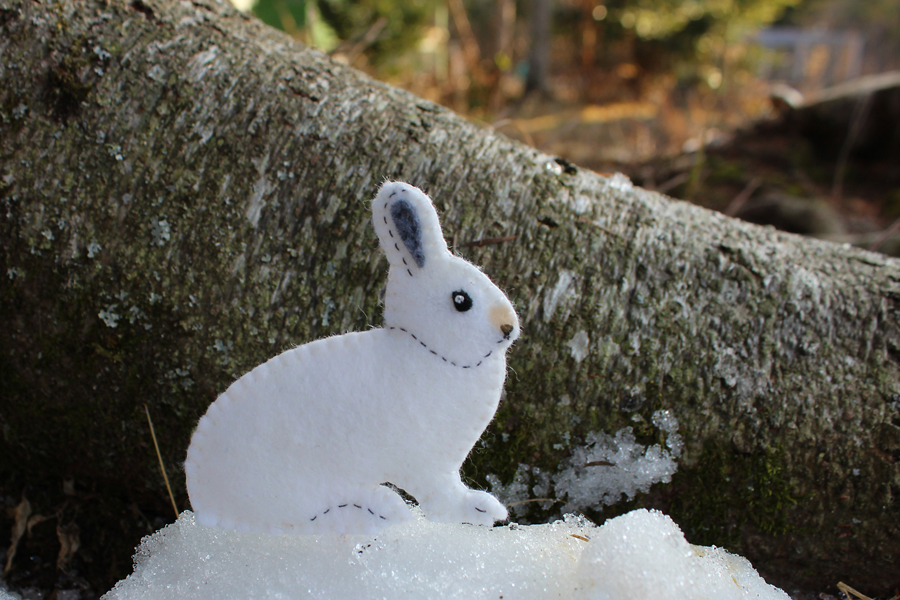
x=185 y=194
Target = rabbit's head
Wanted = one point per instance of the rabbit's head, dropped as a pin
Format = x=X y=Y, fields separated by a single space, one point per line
x=447 y=303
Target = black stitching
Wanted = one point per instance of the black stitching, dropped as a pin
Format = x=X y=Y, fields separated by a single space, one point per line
x=385 y=219
x=391 y=196
x=479 y=510
x=404 y=261
x=443 y=358
x=371 y=512
x=397 y=247
x=391 y=233
x=410 y=272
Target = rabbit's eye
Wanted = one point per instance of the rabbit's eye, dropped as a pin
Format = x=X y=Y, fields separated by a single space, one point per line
x=461 y=301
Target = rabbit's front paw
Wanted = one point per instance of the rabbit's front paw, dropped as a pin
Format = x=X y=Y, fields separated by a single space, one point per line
x=481 y=508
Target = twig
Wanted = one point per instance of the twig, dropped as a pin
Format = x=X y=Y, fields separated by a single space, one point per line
x=894 y=228
x=517 y=126
x=861 y=111
x=600 y=463
x=471 y=50
x=162 y=467
x=606 y=230
x=554 y=500
x=488 y=241
x=672 y=183
x=849 y=590
x=738 y=203
x=354 y=47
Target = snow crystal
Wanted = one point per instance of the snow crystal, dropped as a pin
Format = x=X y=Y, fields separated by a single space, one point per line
x=640 y=555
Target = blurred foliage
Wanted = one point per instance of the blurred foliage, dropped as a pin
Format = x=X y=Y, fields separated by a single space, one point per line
x=396 y=25
x=661 y=19
x=686 y=29
x=877 y=20
x=685 y=36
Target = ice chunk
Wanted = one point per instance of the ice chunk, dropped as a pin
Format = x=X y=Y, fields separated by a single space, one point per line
x=644 y=555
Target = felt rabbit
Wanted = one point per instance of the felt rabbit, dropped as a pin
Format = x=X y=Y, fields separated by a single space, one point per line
x=304 y=442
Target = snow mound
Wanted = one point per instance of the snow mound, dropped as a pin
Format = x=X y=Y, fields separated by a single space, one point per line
x=639 y=555
x=644 y=555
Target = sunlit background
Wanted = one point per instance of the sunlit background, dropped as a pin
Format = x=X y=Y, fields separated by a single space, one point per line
x=647 y=87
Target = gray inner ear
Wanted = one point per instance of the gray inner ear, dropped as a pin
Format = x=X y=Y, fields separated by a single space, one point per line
x=406 y=222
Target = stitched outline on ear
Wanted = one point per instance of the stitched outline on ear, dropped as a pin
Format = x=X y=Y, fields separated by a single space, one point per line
x=442 y=357
x=406 y=222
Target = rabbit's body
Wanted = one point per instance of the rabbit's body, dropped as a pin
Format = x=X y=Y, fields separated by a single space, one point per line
x=277 y=419
x=303 y=442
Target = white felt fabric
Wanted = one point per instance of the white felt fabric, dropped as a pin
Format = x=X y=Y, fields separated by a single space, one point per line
x=304 y=442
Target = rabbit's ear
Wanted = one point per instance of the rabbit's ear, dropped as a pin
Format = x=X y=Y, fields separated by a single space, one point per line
x=407 y=226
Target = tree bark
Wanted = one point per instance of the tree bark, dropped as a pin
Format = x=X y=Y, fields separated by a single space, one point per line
x=185 y=194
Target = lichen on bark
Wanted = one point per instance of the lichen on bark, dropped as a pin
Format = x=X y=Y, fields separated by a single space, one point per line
x=185 y=193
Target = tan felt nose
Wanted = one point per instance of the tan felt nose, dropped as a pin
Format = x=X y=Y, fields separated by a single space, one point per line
x=501 y=316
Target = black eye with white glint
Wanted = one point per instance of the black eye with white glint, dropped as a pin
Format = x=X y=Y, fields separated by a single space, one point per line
x=461 y=301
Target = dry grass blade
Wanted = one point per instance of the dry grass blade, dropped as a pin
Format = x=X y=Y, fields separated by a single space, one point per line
x=851 y=592
x=20 y=515
x=162 y=467
x=534 y=500
x=69 y=537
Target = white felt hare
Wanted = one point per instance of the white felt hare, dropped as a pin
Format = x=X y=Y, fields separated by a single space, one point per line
x=304 y=442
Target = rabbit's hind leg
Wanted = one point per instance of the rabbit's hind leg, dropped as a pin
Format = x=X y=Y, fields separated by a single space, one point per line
x=446 y=499
x=364 y=511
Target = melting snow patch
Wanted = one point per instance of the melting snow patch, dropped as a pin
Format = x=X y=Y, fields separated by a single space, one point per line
x=599 y=472
x=607 y=467
x=640 y=555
